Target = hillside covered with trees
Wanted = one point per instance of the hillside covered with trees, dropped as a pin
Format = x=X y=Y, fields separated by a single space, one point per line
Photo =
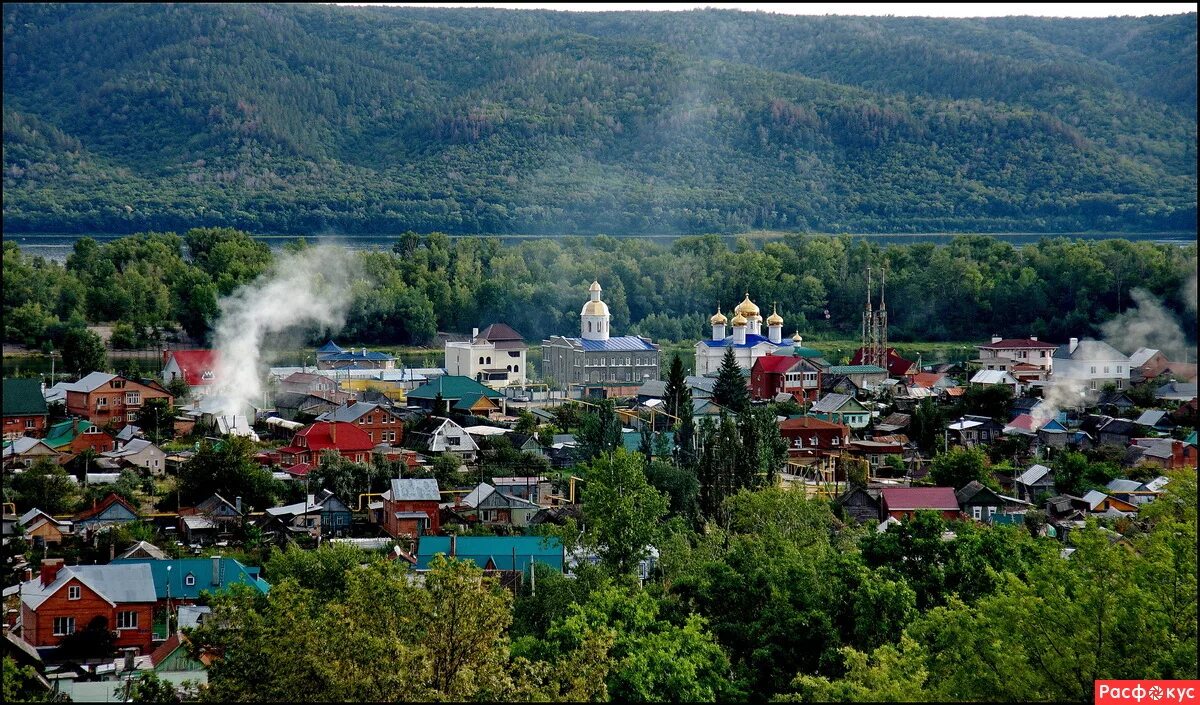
x=310 y=119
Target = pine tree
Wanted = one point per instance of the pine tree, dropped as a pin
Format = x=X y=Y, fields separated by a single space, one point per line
x=677 y=392
x=730 y=390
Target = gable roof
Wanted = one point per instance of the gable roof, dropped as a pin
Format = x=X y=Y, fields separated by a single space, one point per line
x=414 y=490
x=993 y=377
x=928 y=379
x=112 y=499
x=92 y=382
x=63 y=432
x=320 y=435
x=1089 y=350
x=23 y=397
x=143 y=549
x=500 y=332
x=1151 y=417
x=912 y=498
x=451 y=388
x=131 y=447
x=229 y=571
x=196 y=365
x=975 y=492
x=1140 y=356
x=499 y=550
x=116 y=583
x=777 y=363
x=24 y=444
x=351 y=412
x=810 y=423
x=832 y=402
x=1033 y=474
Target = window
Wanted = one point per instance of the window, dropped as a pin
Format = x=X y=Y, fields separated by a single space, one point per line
x=101 y=401
x=991 y=511
x=127 y=620
x=1118 y=369
x=29 y=423
x=481 y=359
x=489 y=360
x=1093 y=371
x=589 y=326
x=190 y=580
x=452 y=440
x=1120 y=384
x=976 y=512
x=73 y=592
x=1106 y=369
x=1043 y=353
x=836 y=440
x=1093 y=381
x=799 y=442
x=131 y=416
x=64 y=626
x=133 y=398
x=814 y=441
x=371 y=436
x=516 y=368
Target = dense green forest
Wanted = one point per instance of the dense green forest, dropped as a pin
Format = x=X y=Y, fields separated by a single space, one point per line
x=972 y=288
x=302 y=119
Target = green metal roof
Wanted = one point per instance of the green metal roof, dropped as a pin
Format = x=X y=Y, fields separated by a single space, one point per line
x=23 y=397
x=63 y=432
x=453 y=387
x=201 y=570
x=467 y=402
x=855 y=369
x=633 y=441
x=500 y=549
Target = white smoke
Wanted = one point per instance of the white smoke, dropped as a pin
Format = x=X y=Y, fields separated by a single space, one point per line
x=1190 y=293
x=1148 y=325
x=302 y=289
x=1059 y=394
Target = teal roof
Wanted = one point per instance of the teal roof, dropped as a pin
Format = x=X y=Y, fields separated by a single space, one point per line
x=1191 y=439
x=466 y=402
x=855 y=369
x=453 y=387
x=23 y=397
x=231 y=571
x=806 y=352
x=63 y=432
x=633 y=441
x=498 y=549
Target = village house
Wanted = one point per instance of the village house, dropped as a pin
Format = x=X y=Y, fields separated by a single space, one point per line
x=332 y=357
x=876 y=451
x=63 y=600
x=382 y=424
x=139 y=453
x=903 y=502
x=474 y=358
x=436 y=434
x=198 y=368
x=1038 y=480
x=986 y=378
x=179 y=581
x=1091 y=364
x=861 y=504
x=534 y=488
x=1026 y=359
x=1101 y=503
x=73 y=436
x=23 y=452
x=863 y=377
x=494 y=507
x=896 y=366
x=511 y=554
x=113 y=509
x=41 y=529
x=345 y=439
x=1166 y=453
x=842 y=409
x=25 y=411
x=210 y=518
x=1176 y=391
x=110 y=399
x=810 y=435
x=798 y=377
x=1146 y=364
x=411 y=508
x=455 y=393
x=969 y=431
x=981 y=503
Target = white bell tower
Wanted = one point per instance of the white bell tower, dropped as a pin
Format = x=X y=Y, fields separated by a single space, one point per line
x=594 y=318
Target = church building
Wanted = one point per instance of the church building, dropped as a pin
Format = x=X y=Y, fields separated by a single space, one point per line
x=597 y=356
x=745 y=338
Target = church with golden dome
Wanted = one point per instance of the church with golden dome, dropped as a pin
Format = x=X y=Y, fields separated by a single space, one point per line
x=596 y=356
x=744 y=336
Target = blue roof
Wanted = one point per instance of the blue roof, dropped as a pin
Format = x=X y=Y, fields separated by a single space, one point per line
x=618 y=344
x=499 y=549
x=752 y=339
x=330 y=347
x=232 y=571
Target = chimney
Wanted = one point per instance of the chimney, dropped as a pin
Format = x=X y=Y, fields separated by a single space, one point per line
x=996 y=339
x=237 y=504
x=474 y=334
x=333 y=432
x=1074 y=344
x=216 y=572
x=50 y=568
x=129 y=656
x=28 y=574
x=1033 y=338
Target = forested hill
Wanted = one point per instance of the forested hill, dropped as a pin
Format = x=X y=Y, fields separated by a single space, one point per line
x=121 y=118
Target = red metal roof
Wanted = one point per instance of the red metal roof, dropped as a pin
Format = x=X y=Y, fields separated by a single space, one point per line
x=927 y=379
x=111 y=499
x=1013 y=343
x=194 y=364
x=318 y=437
x=896 y=365
x=911 y=498
x=299 y=469
x=776 y=363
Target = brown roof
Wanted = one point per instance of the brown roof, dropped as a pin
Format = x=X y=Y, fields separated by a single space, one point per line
x=903 y=498
x=1015 y=343
x=112 y=498
x=500 y=331
x=808 y=422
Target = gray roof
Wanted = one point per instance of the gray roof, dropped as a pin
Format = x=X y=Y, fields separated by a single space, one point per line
x=144 y=547
x=1094 y=498
x=1090 y=350
x=477 y=495
x=415 y=490
x=22 y=445
x=92 y=382
x=1033 y=474
x=1123 y=485
x=1152 y=417
x=190 y=615
x=133 y=447
x=1139 y=356
x=698 y=382
x=830 y=403
x=1177 y=390
x=128 y=432
x=993 y=377
x=349 y=414
x=116 y=582
x=653 y=388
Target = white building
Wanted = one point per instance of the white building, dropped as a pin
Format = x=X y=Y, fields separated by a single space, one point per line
x=596 y=356
x=1091 y=364
x=1027 y=359
x=745 y=338
x=495 y=357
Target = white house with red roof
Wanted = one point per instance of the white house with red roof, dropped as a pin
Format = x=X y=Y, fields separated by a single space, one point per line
x=344 y=438
x=1026 y=359
x=197 y=367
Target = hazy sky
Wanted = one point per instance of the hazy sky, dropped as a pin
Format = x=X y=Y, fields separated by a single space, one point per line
x=1101 y=9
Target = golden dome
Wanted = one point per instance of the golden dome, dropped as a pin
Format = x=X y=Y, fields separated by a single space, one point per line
x=718 y=319
x=738 y=320
x=796 y=338
x=594 y=308
x=747 y=308
x=595 y=286
x=774 y=319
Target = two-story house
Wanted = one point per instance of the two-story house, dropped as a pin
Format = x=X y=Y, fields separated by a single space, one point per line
x=346 y=439
x=1091 y=364
x=1026 y=359
x=198 y=368
x=382 y=424
x=797 y=376
x=843 y=409
x=436 y=434
x=411 y=508
x=807 y=435
x=495 y=357
x=25 y=410
x=103 y=398
x=63 y=600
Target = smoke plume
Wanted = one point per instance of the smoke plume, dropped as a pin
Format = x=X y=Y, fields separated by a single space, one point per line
x=1148 y=325
x=302 y=289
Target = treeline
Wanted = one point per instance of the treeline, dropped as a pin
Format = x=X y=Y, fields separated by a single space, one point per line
x=295 y=119
x=969 y=289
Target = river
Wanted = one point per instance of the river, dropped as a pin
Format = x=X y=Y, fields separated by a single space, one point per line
x=56 y=246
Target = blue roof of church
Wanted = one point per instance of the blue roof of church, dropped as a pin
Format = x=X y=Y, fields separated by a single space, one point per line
x=620 y=343
x=752 y=339
x=330 y=347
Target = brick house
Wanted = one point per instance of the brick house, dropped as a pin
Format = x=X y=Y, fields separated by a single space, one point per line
x=63 y=600
x=103 y=398
x=383 y=425
x=897 y=367
x=410 y=508
x=24 y=409
x=347 y=439
x=73 y=436
x=807 y=433
x=797 y=376
x=196 y=367
x=903 y=502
